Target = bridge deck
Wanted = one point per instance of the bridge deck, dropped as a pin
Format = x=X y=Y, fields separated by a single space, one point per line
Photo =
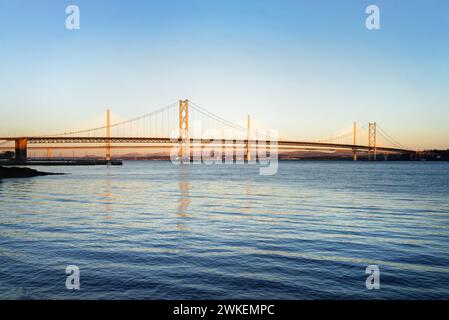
x=163 y=140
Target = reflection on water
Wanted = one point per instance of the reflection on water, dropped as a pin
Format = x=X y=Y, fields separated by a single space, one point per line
x=151 y=230
x=108 y=198
x=184 y=198
x=246 y=208
x=184 y=188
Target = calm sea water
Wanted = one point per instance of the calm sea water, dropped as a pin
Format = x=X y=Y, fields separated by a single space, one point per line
x=151 y=230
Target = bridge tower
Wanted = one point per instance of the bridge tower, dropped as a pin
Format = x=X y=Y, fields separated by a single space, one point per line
x=354 y=151
x=108 y=135
x=372 y=152
x=21 y=150
x=184 y=140
x=248 y=128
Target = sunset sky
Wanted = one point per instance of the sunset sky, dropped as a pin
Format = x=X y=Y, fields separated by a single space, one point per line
x=307 y=68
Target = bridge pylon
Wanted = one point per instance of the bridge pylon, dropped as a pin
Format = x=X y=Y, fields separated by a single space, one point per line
x=354 y=150
x=248 y=151
x=184 y=140
x=372 y=151
x=108 y=135
x=21 y=149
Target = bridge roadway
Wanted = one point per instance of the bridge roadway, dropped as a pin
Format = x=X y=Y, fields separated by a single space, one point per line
x=21 y=142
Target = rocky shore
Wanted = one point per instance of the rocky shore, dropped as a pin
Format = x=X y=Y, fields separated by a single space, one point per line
x=16 y=172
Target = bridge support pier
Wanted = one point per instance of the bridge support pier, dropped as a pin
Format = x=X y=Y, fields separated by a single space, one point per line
x=248 y=151
x=108 y=136
x=354 y=151
x=372 y=152
x=21 y=150
x=184 y=140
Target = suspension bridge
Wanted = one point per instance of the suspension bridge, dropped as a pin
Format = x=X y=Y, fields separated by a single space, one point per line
x=188 y=126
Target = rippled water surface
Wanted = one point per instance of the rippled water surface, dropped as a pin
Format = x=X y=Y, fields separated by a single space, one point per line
x=151 y=230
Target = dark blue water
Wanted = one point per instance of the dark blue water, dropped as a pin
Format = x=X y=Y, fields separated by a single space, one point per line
x=151 y=230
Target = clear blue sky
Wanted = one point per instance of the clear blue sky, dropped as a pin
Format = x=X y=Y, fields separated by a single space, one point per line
x=308 y=68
